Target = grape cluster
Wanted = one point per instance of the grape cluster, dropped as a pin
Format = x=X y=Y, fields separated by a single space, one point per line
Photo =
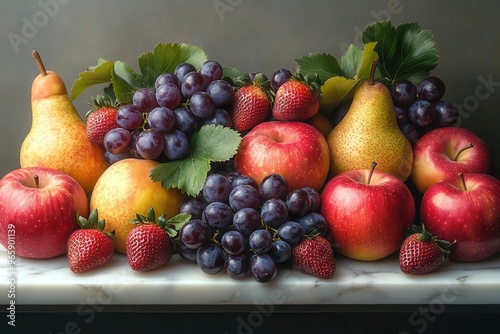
x=161 y=120
x=420 y=108
x=240 y=227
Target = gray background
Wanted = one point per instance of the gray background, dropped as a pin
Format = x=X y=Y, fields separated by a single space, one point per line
x=249 y=35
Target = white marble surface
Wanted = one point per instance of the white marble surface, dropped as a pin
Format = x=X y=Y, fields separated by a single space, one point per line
x=50 y=282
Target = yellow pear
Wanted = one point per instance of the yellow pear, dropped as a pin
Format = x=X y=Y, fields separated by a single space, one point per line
x=124 y=190
x=369 y=132
x=57 y=138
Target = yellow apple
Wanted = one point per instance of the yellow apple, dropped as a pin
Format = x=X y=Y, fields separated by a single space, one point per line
x=126 y=189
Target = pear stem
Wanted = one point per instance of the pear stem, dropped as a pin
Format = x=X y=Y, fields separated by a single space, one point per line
x=470 y=145
x=39 y=62
x=371 y=81
x=37 y=181
x=462 y=178
x=372 y=169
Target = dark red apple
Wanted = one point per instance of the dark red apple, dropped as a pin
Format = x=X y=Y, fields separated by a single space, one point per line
x=38 y=211
x=296 y=150
x=465 y=209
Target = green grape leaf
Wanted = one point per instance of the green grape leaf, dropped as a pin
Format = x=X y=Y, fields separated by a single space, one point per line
x=322 y=64
x=95 y=75
x=367 y=57
x=350 y=61
x=164 y=58
x=125 y=82
x=212 y=143
x=406 y=52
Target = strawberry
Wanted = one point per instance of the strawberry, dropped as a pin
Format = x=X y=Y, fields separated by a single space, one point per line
x=101 y=119
x=149 y=245
x=296 y=100
x=251 y=105
x=421 y=252
x=314 y=256
x=90 y=247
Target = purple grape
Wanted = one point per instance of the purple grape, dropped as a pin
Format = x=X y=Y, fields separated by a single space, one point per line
x=212 y=70
x=263 y=268
x=186 y=253
x=244 y=196
x=168 y=95
x=133 y=143
x=216 y=188
x=149 y=144
x=111 y=158
x=221 y=92
x=291 y=232
x=274 y=212
x=219 y=117
x=145 y=99
x=313 y=221
x=431 y=89
x=129 y=117
x=166 y=78
x=192 y=83
x=273 y=186
x=421 y=113
x=260 y=241
x=446 y=113
x=278 y=78
x=410 y=133
x=280 y=251
x=237 y=266
x=211 y=258
x=201 y=105
x=195 y=233
x=175 y=145
x=314 y=197
x=233 y=242
x=218 y=215
x=185 y=121
x=117 y=140
x=298 y=202
x=246 y=221
x=194 y=208
x=243 y=179
x=182 y=69
x=401 y=116
x=161 y=119
x=404 y=93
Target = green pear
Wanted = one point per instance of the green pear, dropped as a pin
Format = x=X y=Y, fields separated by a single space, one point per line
x=57 y=138
x=369 y=132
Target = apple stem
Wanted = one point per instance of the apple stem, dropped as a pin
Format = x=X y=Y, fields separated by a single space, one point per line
x=371 y=81
x=372 y=169
x=39 y=62
x=37 y=181
x=470 y=145
x=462 y=178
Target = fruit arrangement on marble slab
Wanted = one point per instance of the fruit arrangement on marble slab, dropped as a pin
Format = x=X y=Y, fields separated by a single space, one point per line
x=247 y=173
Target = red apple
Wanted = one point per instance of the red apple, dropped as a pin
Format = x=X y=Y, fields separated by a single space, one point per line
x=38 y=211
x=296 y=150
x=445 y=152
x=368 y=212
x=466 y=209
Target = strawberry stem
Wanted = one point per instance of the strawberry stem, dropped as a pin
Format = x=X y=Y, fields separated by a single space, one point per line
x=462 y=179
x=372 y=169
x=465 y=148
x=39 y=62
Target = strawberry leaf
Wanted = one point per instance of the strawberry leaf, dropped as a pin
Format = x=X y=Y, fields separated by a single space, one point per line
x=406 y=52
x=165 y=57
x=323 y=65
x=210 y=144
x=95 y=75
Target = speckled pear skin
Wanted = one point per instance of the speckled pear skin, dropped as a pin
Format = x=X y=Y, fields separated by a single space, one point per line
x=57 y=137
x=369 y=132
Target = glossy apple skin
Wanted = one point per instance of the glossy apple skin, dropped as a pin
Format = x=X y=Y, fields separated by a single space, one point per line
x=367 y=221
x=42 y=218
x=433 y=156
x=296 y=150
x=471 y=217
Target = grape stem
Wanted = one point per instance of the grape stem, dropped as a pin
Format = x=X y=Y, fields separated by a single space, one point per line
x=39 y=62
x=372 y=169
x=470 y=145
